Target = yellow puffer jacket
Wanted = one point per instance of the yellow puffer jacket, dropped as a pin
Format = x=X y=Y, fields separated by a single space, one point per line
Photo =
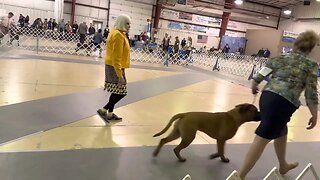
x=118 y=51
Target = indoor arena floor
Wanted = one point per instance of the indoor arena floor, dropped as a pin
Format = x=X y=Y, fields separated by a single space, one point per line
x=49 y=128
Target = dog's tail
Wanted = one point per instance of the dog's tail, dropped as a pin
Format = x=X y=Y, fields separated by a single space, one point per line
x=174 y=118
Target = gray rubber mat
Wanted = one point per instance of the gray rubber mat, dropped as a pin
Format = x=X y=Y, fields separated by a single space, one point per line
x=74 y=60
x=26 y=118
x=137 y=164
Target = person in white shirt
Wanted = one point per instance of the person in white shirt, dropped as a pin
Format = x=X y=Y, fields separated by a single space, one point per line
x=5 y=23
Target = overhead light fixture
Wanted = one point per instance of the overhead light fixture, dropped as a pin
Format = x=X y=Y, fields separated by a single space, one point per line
x=287 y=12
x=238 y=2
x=318 y=0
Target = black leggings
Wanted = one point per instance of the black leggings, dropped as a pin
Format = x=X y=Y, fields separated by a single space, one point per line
x=113 y=100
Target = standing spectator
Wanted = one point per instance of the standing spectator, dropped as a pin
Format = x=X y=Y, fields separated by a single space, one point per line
x=40 y=24
x=176 y=45
x=45 y=24
x=62 y=25
x=260 y=52
x=226 y=48
x=106 y=32
x=26 y=21
x=290 y=76
x=83 y=29
x=183 y=43
x=75 y=27
x=144 y=37
x=54 y=24
x=50 y=24
x=68 y=27
x=97 y=40
x=14 y=34
x=5 y=24
x=165 y=43
x=117 y=59
x=92 y=30
x=35 y=23
x=21 y=20
x=188 y=46
x=266 y=53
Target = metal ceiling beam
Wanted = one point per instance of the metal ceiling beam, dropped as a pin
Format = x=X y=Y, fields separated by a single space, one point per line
x=238 y=8
x=259 y=3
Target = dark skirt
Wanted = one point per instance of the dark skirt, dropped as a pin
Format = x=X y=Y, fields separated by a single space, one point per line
x=111 y=81
x=275 y=112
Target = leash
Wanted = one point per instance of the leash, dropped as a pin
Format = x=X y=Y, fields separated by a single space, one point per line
x=254 y=98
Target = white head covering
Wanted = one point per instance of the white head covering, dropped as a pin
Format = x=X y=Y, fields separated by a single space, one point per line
x=121 y=22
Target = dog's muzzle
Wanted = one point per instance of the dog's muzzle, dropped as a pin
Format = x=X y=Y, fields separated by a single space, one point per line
x=257 y=117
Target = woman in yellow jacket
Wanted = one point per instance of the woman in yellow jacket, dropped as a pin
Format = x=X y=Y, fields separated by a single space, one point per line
x=117 y=59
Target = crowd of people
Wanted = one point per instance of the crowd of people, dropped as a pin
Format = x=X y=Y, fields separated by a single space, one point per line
x=264 y=53
x=66 y=31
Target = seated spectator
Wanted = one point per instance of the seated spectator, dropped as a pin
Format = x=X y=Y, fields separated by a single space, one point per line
x=266 y=53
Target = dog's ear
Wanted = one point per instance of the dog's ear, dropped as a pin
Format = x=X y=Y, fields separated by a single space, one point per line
x=243 y=107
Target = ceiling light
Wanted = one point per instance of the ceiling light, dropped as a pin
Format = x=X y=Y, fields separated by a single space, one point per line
x=287 y=12
x=318 y=0
x=238 y=2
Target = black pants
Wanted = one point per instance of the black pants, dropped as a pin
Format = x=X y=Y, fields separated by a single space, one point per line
x=113 y=100
x=82 y=38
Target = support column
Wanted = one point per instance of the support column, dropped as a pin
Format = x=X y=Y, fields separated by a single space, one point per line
x=108 y=15
x=224 y=23
x=73 y=11
x=58 y=10
x=157 y=14
x=228 y=5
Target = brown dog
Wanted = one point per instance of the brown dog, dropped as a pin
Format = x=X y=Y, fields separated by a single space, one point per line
x=220 y=126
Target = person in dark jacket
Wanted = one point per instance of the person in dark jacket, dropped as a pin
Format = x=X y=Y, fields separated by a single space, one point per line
x=92 y=30
x=75 y=27
x=97 y=40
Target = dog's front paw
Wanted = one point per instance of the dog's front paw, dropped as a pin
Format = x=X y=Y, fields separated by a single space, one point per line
x=224 y=159
x=213 y=156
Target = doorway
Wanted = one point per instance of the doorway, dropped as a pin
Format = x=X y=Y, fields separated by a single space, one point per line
x=97 y=25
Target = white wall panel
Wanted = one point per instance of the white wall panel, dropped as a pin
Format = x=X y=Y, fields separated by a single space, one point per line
x=82 y=11
x=84 y=1
x=103 y=3
x=312 y=11
x=67 y=8
x=244 y=26
x=94 y=13
x=235 y=34
x=95 y=2
x=35 y=4
x=304 y=12
x=103 y=14
x=272 y=21
x=300 y=26
x=138 y=12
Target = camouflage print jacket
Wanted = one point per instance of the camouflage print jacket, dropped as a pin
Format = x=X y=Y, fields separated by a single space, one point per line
x=291 y=74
